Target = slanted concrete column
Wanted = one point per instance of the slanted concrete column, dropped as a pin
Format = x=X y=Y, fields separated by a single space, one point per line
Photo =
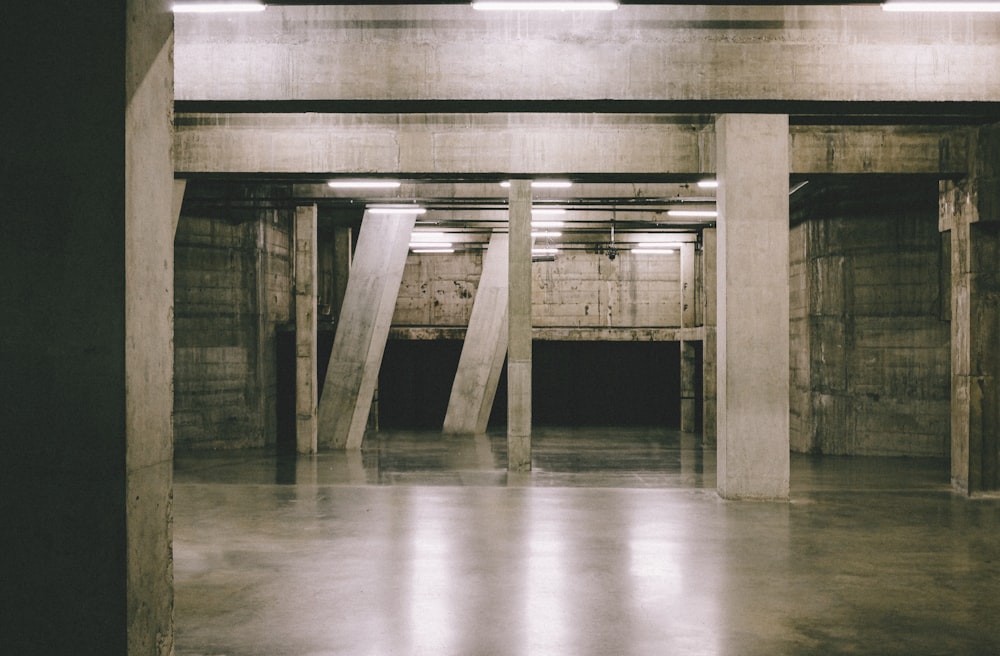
x=709 y=345
x=484 y=348
x=688 y=354
x=306 y=376
x=753 y=452
x=363 y=328
x=519 y=329
x=975 y=349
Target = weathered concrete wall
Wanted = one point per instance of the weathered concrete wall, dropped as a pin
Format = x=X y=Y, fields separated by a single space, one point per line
x=233 y=287
x=578 y=289
x=878 y=349
x=800 y=391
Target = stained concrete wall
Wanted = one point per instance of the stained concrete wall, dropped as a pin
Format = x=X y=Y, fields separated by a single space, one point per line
x=232 y=291
x=578 y=289
x=800 y=432
x=878 y=351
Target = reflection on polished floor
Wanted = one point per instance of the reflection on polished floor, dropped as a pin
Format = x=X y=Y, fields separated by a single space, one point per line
x=616 y=543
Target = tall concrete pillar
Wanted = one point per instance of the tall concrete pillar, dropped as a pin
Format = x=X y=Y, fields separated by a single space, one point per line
x=363 y=329
x=86 y=352
x=484 y=348
x=306 y=376
x=709 y=345
x=688 y=353
x=975 y=349
x=519 y=329
x=752 y=305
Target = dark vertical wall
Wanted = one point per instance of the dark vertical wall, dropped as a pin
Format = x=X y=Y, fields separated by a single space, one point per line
x=75 y=538
x=878 y=349
x=233 y=283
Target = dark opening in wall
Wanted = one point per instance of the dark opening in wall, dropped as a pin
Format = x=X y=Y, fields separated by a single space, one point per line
x=415 y=382
x=605 y=384
x=573 y=384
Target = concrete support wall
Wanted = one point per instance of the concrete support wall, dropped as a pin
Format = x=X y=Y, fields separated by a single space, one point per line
x=363 y=329
x=877 y=349
x=970 y=213
x=519 y=328
x=753 y=457
x=306 y=377
x=578 y=289
x=800 y=429
x=484 y=348
x=86 y=474
x=233 y=283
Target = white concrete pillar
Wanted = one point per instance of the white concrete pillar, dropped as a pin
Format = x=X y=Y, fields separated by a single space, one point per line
x=752 y=306
x=484 y=348
x=519 y=329
x=306 y=376
x=363 y=328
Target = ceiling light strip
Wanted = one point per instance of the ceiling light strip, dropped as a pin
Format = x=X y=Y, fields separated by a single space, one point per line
x=543 y=5
x=941 y=6
x=216 y=7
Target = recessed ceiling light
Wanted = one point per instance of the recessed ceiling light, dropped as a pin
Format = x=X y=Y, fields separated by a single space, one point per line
x=546 y=224
x=543 y=184
x=544 y=251
x=216 y=7
x=433 y=250
x=430 y=244
x=546 y=233
x=708 y=184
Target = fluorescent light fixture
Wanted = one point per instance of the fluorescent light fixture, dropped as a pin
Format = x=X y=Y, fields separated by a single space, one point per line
x=705 y=214
x=546 y=224
x=433 y=250
x=538 y=211
x=708 y=184
x=543 y=184
x=658 y=244
x=405 y=209
x=546 y=233
x=544 y=5
x=653 y=251
x=544 y=251
x=216 y=7
x=363 y=184
x=941 y=6
x=430 y=244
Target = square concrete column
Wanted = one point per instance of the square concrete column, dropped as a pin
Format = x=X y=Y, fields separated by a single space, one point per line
x=709 y=346
x=688 y=359
x=306 y=375
x=363 y=328
x=484 y=348
x=752 y=305
x=975 y=349
x=519 y=329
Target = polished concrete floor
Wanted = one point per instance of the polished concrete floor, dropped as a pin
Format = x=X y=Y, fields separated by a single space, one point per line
x=616 y=543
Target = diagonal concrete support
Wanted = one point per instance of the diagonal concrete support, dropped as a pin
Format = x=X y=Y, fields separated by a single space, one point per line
x=484 y=348
x=363 y=329
x=306 y=376
x=519 y=329
x=753 y=452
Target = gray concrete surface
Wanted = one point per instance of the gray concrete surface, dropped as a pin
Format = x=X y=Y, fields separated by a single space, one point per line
x=615 y=543
x=484 y=348
x=752 y=306
x=306 y=364
x=519 y=326
x=363 y=328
